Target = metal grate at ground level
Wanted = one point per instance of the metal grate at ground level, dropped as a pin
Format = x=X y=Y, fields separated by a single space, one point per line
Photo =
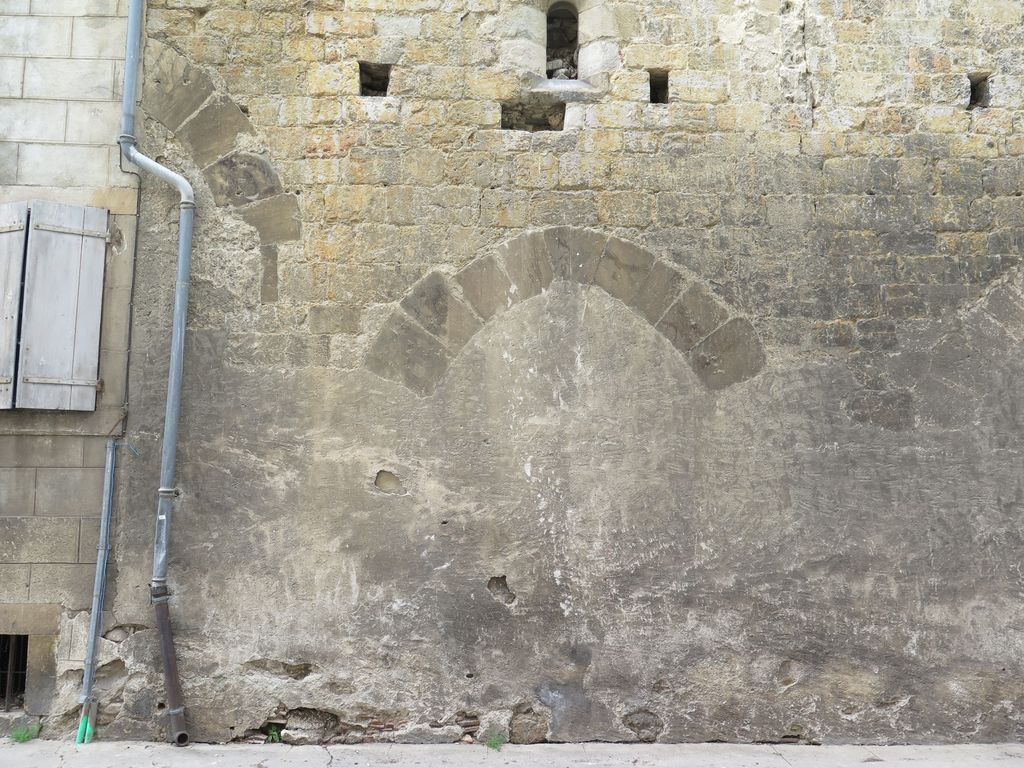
x=13 y=671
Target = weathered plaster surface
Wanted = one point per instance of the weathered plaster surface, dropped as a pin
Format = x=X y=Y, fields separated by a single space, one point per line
x=411 y=509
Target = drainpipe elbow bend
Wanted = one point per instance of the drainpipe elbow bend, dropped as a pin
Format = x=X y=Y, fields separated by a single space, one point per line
x=132 y=154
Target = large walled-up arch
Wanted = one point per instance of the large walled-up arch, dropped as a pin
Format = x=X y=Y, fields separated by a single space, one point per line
x=441 y=313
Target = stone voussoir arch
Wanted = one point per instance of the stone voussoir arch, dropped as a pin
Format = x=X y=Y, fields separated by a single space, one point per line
x=440 y=314
x=210 y=124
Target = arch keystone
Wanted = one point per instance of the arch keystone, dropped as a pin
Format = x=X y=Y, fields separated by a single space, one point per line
x=526 y=263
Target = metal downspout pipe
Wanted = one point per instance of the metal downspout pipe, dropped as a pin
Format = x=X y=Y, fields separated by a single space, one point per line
x=167 y=492
x=87 y=725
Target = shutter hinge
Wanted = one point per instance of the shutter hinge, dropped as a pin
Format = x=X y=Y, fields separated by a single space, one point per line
x=105 y=236
x=12 y=228
x=5 y=380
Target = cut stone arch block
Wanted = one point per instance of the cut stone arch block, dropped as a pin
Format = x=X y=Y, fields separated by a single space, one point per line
x=440 y=314
x=242 y=178
x=433 y=304
x=486 y=286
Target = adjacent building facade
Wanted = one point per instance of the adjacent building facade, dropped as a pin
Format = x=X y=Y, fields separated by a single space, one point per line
x=598 y=371
x=62 y=187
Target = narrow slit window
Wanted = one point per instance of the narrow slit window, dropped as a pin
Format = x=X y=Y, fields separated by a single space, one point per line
x=980 y=94
x=13 y=671
x=563 y=42
x=374 y=79
x=659 y=86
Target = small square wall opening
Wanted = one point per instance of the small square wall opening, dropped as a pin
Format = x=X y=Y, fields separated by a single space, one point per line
x=13 y=671
x=532 y=117
x=374 y=79
x=659 y=86
x=980 y=94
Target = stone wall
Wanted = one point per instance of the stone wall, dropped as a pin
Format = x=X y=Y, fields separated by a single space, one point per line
x=60 y=75
x=689 y=421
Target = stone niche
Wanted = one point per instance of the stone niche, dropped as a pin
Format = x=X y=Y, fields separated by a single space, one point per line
x=586 y=62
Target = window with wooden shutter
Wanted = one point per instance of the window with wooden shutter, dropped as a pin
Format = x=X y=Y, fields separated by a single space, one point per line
x=13 y=218
x=58 y=360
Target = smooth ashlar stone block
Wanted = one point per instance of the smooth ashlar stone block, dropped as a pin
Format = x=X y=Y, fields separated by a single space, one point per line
x=212 y=131
x=731 y=354
x=41 y=680
x=242 y=178
x=405 y=353
x=40 y=451
x=17 y=491
x=66 y=584
x=659 y=291
x=526 y=263
x=69 y=492
x=432 y=303
x=623 y=269
x=14 y=580
x=38 y=540
x=485 y=286
x=574 y=253
x=29 y=619
x=691 y=317
x=276 y=218
x=172 y=89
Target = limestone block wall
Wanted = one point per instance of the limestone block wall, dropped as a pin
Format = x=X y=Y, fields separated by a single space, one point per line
x=60 y=76
x=443 y=471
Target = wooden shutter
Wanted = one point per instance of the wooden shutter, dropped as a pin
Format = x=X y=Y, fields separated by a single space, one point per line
x=58 y=365
x=13 y=217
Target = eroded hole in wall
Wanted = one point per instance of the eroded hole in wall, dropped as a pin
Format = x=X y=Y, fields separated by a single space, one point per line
x=298 y=671
x=981 y=95
x=122 y=632
x=563 y=42
x=645 y=724
x=374 y=79
x=388 y=482
x=532 y=117
x=659 y=86
x=469 y=722
x=306 y=725
x=498 y=587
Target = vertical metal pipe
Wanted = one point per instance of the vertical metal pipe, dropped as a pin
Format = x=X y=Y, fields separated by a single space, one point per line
x=172 y=413
x=167 y=491
x=132 y=49
x=99 y=585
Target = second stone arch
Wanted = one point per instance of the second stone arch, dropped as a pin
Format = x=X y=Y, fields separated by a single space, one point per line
x=442 y=312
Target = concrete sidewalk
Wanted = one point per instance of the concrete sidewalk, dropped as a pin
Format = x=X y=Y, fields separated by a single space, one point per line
x=47 y=754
